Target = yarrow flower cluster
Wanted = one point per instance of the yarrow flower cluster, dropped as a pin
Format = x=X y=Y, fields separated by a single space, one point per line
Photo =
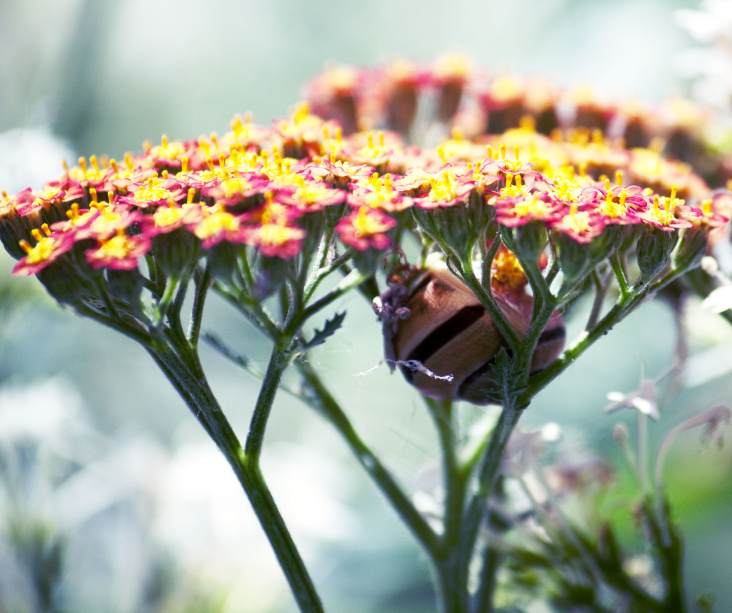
x=529 y=197
x=268 y=188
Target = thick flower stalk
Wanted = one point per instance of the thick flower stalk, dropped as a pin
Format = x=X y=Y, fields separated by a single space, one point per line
x=528 y=209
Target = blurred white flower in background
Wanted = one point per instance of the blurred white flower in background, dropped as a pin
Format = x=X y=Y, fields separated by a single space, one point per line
x=203 y=517
x=89 y=522
x=28 y=156
x=709 y=66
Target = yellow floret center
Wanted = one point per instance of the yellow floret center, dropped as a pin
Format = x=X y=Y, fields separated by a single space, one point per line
x=216 y=222
x=117 y=247
x=277 y=234
x=367 y=225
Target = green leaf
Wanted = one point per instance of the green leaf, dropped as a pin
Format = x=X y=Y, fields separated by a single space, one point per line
x=225 y=350
x=320 y=336
x=504 y=377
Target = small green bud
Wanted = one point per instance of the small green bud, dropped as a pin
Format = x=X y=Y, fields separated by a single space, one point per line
x=653 y=251
x=63 y=282
x=126 y=285
x=176 y=252
x=223 y=260
x=526 y=241
x=574 y=259
x=270 y=276
x=367 y=261
x=460 y=226
x=690 y=249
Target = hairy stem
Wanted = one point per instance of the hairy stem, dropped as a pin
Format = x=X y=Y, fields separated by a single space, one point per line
x=201 y=401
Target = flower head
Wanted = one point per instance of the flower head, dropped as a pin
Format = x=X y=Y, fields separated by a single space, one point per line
x=49 y=246
x=324 y=171
x=366 y=228
x=120 y=252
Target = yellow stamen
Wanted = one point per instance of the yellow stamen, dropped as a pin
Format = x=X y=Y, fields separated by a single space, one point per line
x=528 y=123
x=73 y=212
x=441 y=153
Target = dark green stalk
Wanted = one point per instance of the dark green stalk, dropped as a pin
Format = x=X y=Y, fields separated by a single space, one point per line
x=624 y=306
x=252 y=310
x=601 y=288
x=453 y=588
x=202 y=403
x=203 y=283
x=255 y=438
x=352 y=280
x=490 y=563
x=486 y=480
x=321 y=398
x=620 y=276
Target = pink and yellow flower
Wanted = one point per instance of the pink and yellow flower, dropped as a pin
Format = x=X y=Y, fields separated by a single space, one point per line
x=366 y=228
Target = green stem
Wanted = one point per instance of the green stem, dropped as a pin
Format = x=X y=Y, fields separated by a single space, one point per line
x=453 y=587
x=487 y=478
x=352 y=280
x=486 y=299
x=490 y=563
x=601 y=287
x=277 y=365
x=548 y=374
x=200 y=399
x=670 y=552
x=322 y=272
x=253 y=310
x=620 y=276
x=624 y=305
x=322 y=399
x=203 y=284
